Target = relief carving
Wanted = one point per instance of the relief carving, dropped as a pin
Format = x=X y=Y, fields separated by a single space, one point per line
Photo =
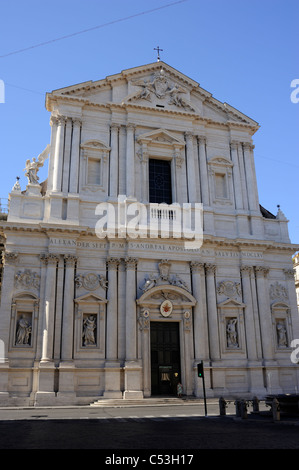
x=27 y=279
x=278 y=292
x=91 y=281
x=229 y=288
x=161 y=87
x=163 y=278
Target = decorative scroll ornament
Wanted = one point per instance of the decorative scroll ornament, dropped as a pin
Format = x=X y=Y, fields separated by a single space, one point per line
x=91 y=281
x=278 y=292
x=27 y=279
x=163 y=278
x=166 y=308
x=162 y=88
x=229 y=288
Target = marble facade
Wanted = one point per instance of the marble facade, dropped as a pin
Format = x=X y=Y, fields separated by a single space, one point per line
x=77 y=308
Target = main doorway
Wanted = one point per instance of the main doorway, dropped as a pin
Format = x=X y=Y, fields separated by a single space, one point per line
x=165 y=358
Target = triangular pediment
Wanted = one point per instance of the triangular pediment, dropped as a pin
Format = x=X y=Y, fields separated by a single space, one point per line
x=156 y=86
x=90 y=298
x=231 y=303
x=160 y=136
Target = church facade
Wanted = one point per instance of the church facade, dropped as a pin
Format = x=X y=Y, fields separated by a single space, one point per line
x=103 y=295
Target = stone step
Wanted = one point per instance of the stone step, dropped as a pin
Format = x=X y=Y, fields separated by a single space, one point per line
x=145 y=401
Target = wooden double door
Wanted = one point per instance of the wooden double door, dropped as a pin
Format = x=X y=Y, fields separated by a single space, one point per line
x=165 y=358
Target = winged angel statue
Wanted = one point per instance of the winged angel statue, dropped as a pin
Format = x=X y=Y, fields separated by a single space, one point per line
x=33 y=167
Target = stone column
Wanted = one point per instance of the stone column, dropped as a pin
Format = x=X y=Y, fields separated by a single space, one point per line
x=112 y=366
x=290 y=279
x=111 y=337
x=242 y=176
x=264 y=312
x=212 y=313
x=121 y=308
x=133 y=367
x=49 y=308
x=66 y=367
x=122 y=161
x=130 y=162
x=67 y=156
x=68 y=309
x=192 y=187
x=58 y=159
x=236 y=175
x=114 y=162
x=53 y=124
x=255 y=370
x=8 y=279
x=203 y=171
x=200 y=325
x=251 y=186
x=144 y=173
x=246 y=272
x=45 y=381
x=131 y=351
x=75 y=154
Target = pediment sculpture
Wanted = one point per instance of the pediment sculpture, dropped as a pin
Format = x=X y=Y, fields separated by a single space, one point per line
x=164 y=278
x=161 y=87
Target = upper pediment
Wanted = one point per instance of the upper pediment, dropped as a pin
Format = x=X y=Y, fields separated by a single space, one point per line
x=155 y=86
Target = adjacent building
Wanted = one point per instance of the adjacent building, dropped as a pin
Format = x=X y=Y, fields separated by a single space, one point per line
x=145 y=252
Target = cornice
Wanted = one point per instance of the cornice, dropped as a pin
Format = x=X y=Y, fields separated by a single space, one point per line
x=239 y=243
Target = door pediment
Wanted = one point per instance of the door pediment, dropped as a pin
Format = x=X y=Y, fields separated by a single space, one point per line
x=153 y=297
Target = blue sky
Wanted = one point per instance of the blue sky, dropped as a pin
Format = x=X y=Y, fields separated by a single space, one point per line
x=245 y=52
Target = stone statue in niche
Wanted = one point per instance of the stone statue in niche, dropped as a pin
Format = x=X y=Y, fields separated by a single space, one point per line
x=281 y=334
x=231 y=333
x=23 y=333
x=89 y=328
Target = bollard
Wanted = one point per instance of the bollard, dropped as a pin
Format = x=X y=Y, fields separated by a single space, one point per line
x=243 y=409
x=238 y=408
x=256 y=405
x=275 y=409
x=222 y=406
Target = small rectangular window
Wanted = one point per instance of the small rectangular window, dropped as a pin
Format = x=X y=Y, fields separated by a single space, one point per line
x=220 y=186
x=94 y=172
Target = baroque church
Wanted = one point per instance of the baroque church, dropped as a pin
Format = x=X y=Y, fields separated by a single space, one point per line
x=91 y=310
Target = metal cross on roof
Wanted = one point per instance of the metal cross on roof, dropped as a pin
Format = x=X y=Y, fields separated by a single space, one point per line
x=158 y=51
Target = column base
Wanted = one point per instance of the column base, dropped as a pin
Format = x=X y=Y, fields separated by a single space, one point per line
x=45 y=398
x=66 y=379
x=45 y=379
x=133 y=380
x=131 y=395
x=112 y=380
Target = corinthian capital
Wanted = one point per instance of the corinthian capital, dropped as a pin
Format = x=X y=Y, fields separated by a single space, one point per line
x=70 y=260
x=210 y=269
x=197 y=266
x=9 y=258
x=131 y=263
